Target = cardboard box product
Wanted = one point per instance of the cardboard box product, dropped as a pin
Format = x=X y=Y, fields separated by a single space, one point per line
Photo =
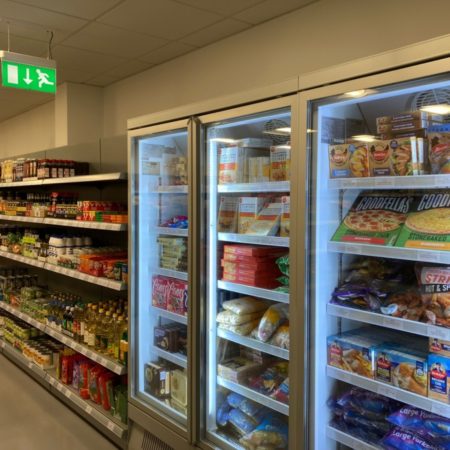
x=402 y=126
x=173 y=170
x=177 y=296
x=261 y=281
x=166 y=338
x=439 y=378
x=402 y=367
x=374 y=218
x=280 y=163
x=349 y=160
x=268 y=221
x=232 y=267
x=251 y=251
x=249 y=207
x=228 y=214
x=237 y=369
x=233 y=163
x=403 y=117
x=178 y=392
x=427 y=225
x=353 y=353
x=157 y=379
x=439 y=152
x=259 y=169
x=440 y=347
x=285 y=216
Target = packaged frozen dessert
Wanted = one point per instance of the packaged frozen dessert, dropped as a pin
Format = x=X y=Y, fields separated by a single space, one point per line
x=249 y=208
x=280 y=163
x=267 y=222
x=348 y=160
x=439 y=151
x=237 y=369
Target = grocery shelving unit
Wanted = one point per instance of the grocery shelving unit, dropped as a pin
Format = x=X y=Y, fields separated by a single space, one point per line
x=348 y=440
x=276 y=241
x=107 y=424
x=267 y=294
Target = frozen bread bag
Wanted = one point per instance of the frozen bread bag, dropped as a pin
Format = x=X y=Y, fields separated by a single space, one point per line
x=237 y=319
x=271 y=432
x=245 y=305
x=242 y=330
x=281 y=337
x=271 y=320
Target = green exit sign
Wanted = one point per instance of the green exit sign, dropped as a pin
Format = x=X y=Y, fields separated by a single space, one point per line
x=25 y=72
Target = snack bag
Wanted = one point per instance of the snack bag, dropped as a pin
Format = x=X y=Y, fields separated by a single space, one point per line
x=245 y=305
x=271 y=320
x=271 y=432
x=105 y=381
x=94 y=384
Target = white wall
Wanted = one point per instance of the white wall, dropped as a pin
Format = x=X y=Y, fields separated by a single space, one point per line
x=320 y=35
x=31 y=131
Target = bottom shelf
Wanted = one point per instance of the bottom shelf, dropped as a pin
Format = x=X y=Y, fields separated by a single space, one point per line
x=348 y=440
x=108 y=425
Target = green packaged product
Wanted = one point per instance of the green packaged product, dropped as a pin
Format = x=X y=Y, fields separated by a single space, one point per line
x=120 y=407
x=283 y=280
x=283 y=264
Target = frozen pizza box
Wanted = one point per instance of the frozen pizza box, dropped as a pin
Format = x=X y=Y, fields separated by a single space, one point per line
x=427 y=225
x=374 y=218
x=249 y=207
x=228 y=214
x=251 y=250
x=349 y=160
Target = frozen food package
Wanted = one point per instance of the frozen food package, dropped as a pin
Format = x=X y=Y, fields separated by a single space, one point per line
x=179 y=386
x=348 y=160
x=228 y=214
x=283 y=264
x=282 y=392
x=242 y=329
x=285 y=216
x=237 y=319
x=280 y=163
x=237 y=369
x=241 y=422
x=222 y=413
x=403 y=439
x=173 y=170
x=248 y=407
x=267 y=222
x=439 y=152
x=245 y=305
x=271 y=320
x=439 y=378
x=271 y=432
x=249 y=208
x=281 y=337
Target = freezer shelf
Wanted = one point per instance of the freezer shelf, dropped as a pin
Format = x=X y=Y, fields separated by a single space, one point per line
x=170 y=315
x=172 y=190
x=259 y=240
x=422 y=329
x=348 y=440
x=113 y=176
x=254 y=291
x=176 y=358
x=171 y=273
x=254 y=395
x=382 y=251
x=171 y=231
x=393 y=392
x=271 y=186
x=253 y=343
x=406 y=182
x=103 y=360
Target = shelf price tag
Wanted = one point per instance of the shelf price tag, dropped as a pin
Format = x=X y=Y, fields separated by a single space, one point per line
x=111 y=425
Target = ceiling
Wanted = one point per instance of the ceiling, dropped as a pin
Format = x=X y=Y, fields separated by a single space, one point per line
x=99 y=42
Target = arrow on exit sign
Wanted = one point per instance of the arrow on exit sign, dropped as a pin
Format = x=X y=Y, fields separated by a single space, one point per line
x=28 y=72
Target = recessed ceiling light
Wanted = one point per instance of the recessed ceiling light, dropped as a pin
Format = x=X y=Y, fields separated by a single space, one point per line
x=224 y=140
x=359 y=93
x=364 y=138
x=437 y=109
x=310 y=130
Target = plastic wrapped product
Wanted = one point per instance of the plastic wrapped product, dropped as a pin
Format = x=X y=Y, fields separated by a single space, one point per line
x=242 y=423
x=281 y=337
x=271 y=432
x=271 y=320
x=248 y=407
x=282 y=392
x=245 y=305
x=236 y=319
x=283 y=264
x=222 y=413
x=403 y=439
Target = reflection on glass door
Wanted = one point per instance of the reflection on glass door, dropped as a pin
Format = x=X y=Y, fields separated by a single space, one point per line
x=248 y=167
x=160 y=263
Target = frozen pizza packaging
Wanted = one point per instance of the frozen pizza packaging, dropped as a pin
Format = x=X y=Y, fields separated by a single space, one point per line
x=228 y=214
x=374 y=218
x=427 y=225
x=249 y=207
x=349 y=160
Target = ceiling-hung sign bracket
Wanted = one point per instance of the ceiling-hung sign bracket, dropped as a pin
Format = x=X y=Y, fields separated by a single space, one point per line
x=28 y=72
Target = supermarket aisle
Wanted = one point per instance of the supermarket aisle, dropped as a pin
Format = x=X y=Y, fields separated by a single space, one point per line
x=32 y=419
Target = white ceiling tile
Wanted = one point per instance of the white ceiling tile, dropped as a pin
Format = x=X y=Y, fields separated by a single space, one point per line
x=83 y=60
x=102 y=80
x=86 y=9
x=129 y=68
x=227 y=8
x=23 y=45
x=215 y=32
x=169 y=51
x=14 y=101
x=114 y=41
x=270 y=9
x=162 y=18
x=72 y=75
x=21 y=15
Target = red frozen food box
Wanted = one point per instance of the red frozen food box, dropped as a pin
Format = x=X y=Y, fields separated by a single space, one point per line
x=252 y=250
x=159 y=291
x=177 y=296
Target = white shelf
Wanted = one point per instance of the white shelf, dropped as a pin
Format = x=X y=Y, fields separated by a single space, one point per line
x=176 y=358
x=407 y=182
x=21 y=219
x=170 y=315
x=390 y=391
x=107 y=226
x=383 y=251
x=253 y=343
x=171 y=273
x=103 y=360
x=99 y=281
x=254 y=395
x=114 y=176
x=172 y=231
x=91 y=409
x=348 y=440
x=254 y=291
x=22 y=259
x=270 y=186
x=258 y=240
x=183 y=189
x=396 y=323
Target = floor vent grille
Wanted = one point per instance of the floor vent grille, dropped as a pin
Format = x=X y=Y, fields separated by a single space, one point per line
x=151 y=442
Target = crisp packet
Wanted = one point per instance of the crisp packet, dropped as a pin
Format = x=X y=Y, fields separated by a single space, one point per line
x=271 y=432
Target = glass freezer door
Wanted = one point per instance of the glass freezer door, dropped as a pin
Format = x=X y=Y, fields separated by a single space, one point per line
x=379 y=273
x=248 y=228
x=159 y=279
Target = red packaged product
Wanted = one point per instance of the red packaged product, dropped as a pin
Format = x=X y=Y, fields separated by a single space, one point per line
x=106 y=381
x=159 y=291
x=262 y=281
x=83 y=383
x=252 y=250
x=263 y=266
x=67 y=369
x=94 y=384
x=177 y=296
